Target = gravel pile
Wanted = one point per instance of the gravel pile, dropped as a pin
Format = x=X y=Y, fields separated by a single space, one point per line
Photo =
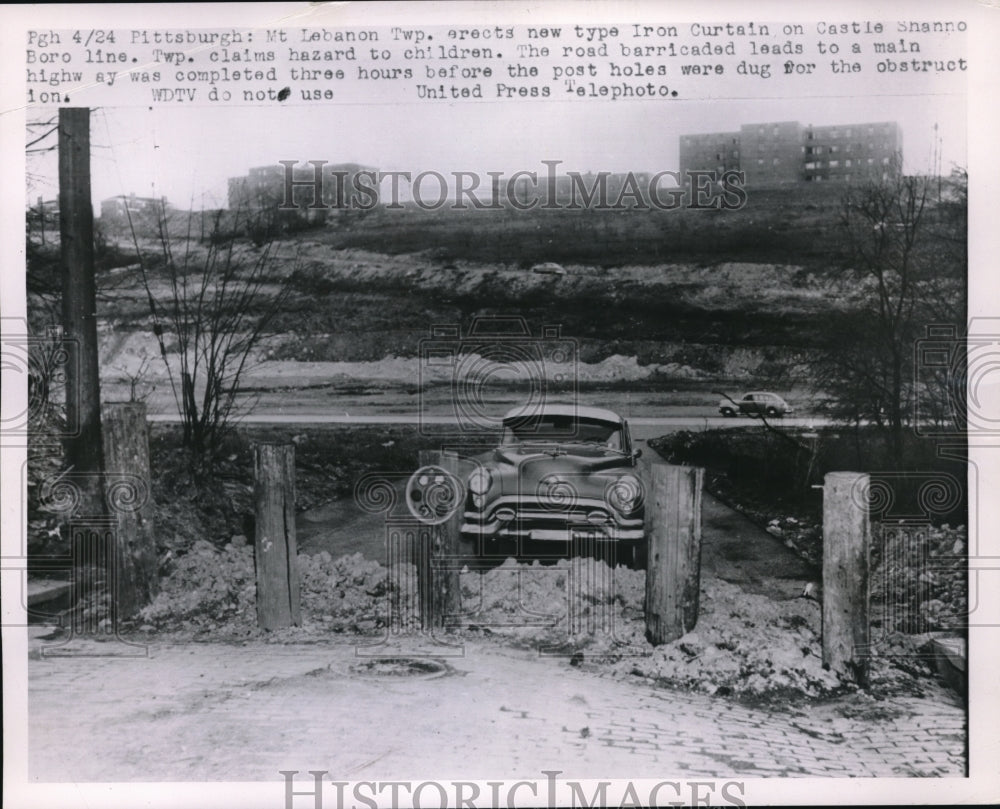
x=744 y=645
x=210 y=593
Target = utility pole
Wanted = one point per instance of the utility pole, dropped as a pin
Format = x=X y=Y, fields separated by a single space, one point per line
x=41 y=217
x=937 y=160
x=84 y=450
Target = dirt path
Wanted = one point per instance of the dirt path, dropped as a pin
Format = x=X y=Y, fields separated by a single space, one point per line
x=740 y=552
x=733 y=548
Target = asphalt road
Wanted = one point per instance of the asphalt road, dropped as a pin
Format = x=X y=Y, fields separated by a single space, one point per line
x=649 y=412
x=643 y=427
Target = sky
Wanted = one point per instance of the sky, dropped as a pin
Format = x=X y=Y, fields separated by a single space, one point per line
x=187 y=154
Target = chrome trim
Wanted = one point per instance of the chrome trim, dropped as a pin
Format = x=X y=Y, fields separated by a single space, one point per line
x=478 y=518
x=552 y=534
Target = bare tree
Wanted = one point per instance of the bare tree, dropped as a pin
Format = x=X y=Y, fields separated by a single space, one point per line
x=903 y=282
x=210 y=305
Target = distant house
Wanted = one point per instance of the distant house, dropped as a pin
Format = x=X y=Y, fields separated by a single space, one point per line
x=144 y=211
x=263 y=188
x=42 y=216
x=47 y=208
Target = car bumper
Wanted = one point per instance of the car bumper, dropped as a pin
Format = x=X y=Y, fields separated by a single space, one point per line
x=471 y=531
x=586 y=519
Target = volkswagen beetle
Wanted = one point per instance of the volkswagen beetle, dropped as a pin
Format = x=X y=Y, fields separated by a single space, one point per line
x=561 y=473
x=755 y=404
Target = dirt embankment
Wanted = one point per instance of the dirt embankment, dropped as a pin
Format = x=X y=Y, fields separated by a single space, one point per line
x=366 y=316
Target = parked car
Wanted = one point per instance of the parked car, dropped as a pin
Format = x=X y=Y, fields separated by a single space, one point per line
x=755 y=404
x=560 y=473
x=549 y=268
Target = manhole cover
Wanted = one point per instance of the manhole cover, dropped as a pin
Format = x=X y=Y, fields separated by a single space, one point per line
x=401 y=667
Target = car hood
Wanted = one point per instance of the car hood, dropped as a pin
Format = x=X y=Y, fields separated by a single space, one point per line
x=520 y=469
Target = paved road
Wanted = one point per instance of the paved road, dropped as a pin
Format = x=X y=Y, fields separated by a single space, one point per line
x=642 y=427
x=650 y=412
x=224 y=712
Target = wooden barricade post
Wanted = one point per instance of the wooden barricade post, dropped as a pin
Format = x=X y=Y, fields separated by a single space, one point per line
x=278 y=592
x=437 y=570
x=673 y=566
x=129 y=498
x=846 y=541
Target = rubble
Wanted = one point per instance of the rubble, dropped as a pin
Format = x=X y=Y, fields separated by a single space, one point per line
x=744 y=645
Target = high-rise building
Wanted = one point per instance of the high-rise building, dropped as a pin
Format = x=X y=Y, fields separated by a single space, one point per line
x=787 y=152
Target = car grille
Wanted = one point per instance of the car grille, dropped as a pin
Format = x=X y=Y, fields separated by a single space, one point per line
x=538 y=518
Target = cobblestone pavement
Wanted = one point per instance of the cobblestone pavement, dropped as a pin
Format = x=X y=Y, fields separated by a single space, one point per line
x=206 y=712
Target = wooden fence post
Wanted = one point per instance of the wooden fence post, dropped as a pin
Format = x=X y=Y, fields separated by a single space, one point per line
x=846 y=540
x=278 y=601
x=130 y=506
x=436 y=563
x=673 y=566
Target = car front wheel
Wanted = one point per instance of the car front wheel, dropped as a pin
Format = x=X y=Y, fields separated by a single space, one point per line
x=633 y=554
x=728 y=412
x=772 y=412
x=470 y=548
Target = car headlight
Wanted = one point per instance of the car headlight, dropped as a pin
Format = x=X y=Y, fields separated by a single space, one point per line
x=624 y=494
x=480 y=481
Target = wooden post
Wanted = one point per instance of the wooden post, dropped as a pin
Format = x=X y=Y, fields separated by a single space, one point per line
x=436 y=567
x=275 y=553
x=846 y=540
x=130 y=503
x=92 y=544
x=79 y=305
x=673 y=568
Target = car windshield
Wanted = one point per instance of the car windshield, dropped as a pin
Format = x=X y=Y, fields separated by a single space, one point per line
x=545 y=429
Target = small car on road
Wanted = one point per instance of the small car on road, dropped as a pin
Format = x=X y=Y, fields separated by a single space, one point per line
x=755 y=404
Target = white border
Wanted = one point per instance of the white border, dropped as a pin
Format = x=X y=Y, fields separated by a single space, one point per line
x=984 y=86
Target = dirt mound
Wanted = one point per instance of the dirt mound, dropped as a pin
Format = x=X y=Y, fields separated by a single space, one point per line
x=745 y=646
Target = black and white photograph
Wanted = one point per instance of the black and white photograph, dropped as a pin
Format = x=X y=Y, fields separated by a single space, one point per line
x=499 y=404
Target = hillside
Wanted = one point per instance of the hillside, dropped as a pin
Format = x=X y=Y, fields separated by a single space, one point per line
x=649 y=298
